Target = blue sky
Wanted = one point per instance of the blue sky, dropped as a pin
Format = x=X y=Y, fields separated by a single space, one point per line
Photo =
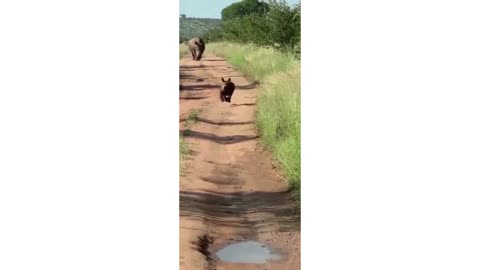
x=208 y=8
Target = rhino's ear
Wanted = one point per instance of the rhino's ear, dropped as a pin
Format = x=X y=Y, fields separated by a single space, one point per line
x=223 y=80
x=229 y=80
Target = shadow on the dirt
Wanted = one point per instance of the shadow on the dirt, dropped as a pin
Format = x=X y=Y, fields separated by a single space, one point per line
x=221 y=123
x=223 y=180
x=183 y=75
x=229 y=209
x=192 y=67
x=186 y=76
x=193 y=98
x=214 y=60
x=245 y=104
x=201 y=66
x=219 y=139
x=248 y=86
x=199 y=87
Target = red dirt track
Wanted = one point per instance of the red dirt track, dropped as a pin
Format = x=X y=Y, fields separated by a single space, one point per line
x=229 y=189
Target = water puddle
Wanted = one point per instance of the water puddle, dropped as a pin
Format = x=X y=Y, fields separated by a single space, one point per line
x=246 y=252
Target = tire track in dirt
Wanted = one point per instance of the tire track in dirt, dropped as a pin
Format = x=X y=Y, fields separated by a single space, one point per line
x=229 y=191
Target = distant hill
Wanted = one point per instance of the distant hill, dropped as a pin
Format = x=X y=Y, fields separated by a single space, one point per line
x=193 y=27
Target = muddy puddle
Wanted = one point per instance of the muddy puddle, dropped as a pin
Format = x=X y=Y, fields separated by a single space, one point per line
x=246 y=252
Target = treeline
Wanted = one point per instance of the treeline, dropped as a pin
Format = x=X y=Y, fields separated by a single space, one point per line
x=271 y=23
x=193 y=27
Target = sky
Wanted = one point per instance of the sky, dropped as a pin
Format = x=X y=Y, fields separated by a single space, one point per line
x=209 y=8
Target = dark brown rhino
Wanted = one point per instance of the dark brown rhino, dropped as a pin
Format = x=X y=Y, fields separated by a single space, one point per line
x=226 y=91
x=196 y=46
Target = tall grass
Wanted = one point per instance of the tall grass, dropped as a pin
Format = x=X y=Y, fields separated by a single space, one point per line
x=278 y=104
x=183 y=50
x=184 y=147
x=257 y=63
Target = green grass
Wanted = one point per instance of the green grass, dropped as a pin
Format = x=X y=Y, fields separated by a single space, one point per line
x=188 y=124
x=257 y=63
x=183 y=50
x=184 y=153
x=190 y=121
x=278 y=104
x=185 y=149
x=192 y=118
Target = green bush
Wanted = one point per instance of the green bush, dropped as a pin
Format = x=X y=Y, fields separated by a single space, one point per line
x=243 y=8
x=276 y=25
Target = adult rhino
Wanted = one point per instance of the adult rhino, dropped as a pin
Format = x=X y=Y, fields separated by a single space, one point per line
x=196 y=46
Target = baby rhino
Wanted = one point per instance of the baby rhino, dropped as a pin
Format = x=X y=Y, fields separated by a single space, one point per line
x=226 y=91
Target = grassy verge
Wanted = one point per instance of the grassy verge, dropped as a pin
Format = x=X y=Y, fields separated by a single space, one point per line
x=257 y=63
x=278 y=104
x=185 y=150
x=183 y=50
x=190 y=121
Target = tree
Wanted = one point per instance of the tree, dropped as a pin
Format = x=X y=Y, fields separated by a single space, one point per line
x=251 y=28
x=243 y=8
x=276 y=25
x=284 y=24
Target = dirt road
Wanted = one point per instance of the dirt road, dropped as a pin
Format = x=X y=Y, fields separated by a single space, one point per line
x=229 y=191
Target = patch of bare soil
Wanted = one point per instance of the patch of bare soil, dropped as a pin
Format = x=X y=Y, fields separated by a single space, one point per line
x=229 y=190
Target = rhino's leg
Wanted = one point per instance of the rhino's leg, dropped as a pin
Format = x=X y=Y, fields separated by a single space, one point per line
x=198 y=52
x=193 y=53
x=222 y=98
x=199 y=55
